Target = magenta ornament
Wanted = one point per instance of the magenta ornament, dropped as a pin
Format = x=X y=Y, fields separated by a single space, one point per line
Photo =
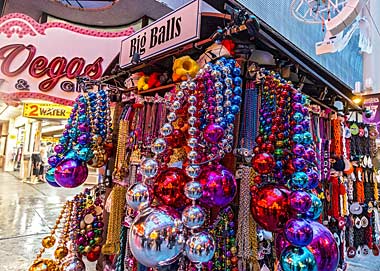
x=299 y=150
x=218 y=185
x=300 y=201
x=324 y=247
x=71 y=173
x=298 y=232
x=310 y=155
x=59 y=148
x=213 y=133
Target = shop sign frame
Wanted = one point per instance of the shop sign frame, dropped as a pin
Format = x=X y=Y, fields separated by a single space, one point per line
x=46 y=111
x=37 y=61
x=179 y=27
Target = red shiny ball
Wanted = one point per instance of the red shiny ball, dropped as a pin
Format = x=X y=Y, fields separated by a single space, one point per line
x=92 y=256
x=176 y=139
x=169 y=187
x=270 y=207
x=263 y=163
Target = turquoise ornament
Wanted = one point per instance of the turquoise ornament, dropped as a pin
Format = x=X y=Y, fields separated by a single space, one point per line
x=299 y=180
x=85 y=154
x=297 y=259
x=316 y=208
x=49 y=177
x=70 y=155
x=298 y=117
x=307 y=138
x=298 y=138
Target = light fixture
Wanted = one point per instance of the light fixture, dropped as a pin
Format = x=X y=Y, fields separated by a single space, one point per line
x=357 y=99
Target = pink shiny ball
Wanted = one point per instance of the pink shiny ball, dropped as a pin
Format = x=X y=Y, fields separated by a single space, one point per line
x=213 y=133
x=71 y=173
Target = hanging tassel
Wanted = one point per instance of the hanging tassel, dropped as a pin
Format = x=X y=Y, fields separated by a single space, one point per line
x=112 y=245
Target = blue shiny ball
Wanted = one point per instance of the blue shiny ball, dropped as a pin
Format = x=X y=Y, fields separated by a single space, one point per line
x=92 y=95
x=236 y=71
x=85 y=154
x=71 y=155
x=82 y=118
x=237 y=90
x=238 y=81
x=316 y=208
x=236 y=100
x=49 y=177
x=223 y=124
x=235 y=109
x=230 y=118
x=62 y=140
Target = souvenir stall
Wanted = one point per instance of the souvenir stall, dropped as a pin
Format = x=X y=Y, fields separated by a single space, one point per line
x=218 y=162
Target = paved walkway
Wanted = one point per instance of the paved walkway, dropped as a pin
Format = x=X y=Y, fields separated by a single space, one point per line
x=27 y=213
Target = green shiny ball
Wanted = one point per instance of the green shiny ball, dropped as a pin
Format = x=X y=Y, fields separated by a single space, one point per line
x=278 y=152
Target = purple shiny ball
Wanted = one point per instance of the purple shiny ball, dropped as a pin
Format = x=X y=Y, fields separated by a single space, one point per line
x=324 y=247
x=59 y=148
x=218 y=185
x=297 y=107
x=83 y=127
x=299 y=164
x=213 y=133
x=298 y=232
x=310 y=155
x=71 y=173
x=305 y=124
x=313 y=179
x=54 y=160
x=298 y=129
x=297 y=97
x=300 y=201
x=83 y=139
x=299 y=150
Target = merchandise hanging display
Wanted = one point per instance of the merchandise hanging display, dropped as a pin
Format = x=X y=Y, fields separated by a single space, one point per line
x=224 y=167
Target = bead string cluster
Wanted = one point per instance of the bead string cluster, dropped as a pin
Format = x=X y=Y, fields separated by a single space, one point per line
x=86 y=139
x=210 y=128
x=89 y=225
x=285 y=155
x=79 y=236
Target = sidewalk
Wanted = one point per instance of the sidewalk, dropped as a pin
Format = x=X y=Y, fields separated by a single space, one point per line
x=28 y=212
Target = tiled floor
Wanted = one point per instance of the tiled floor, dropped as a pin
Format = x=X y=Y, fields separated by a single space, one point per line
x=27 y=212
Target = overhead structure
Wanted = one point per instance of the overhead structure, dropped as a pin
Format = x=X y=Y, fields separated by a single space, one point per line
x=339 y=17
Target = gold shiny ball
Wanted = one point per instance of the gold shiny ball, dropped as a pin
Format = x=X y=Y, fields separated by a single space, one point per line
x=44 y=265
x=61 y=252
x=98 y=240
x=87 y=249
x=89 y=227
x=48 y=241
x=233 y=250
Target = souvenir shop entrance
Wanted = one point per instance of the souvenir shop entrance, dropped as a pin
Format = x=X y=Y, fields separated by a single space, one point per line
x=225 y=155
